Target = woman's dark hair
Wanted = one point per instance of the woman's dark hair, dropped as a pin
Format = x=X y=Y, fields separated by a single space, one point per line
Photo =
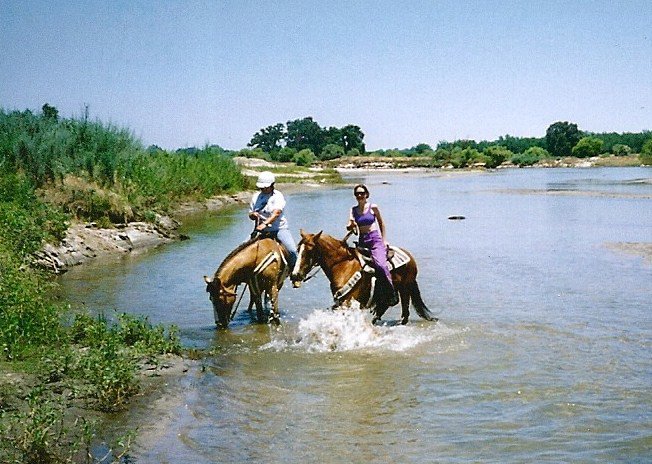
x=361 y=186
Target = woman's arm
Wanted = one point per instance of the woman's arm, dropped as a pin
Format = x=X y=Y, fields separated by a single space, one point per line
x=275 y=214
x=381 y=223
x=351 y=224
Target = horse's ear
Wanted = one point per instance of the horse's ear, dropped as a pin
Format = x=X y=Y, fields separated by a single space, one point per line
x=302 y=233
x=317 y=235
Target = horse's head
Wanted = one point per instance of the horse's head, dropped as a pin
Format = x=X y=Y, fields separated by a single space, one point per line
x=223 y=299
x=306 y=257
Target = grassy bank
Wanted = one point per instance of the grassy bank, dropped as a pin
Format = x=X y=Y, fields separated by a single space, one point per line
x=60 y=368
x=99 y=172
x=57 y=366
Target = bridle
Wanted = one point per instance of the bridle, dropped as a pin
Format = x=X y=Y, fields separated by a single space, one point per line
x=314 y=264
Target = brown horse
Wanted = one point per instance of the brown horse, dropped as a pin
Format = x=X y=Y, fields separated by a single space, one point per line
x=262 y=265
x=340 y=263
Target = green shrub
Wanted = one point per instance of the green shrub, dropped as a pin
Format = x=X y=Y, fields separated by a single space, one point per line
x=495 y=155
x=28 y=319
x=621 y=150
x=331 y=151
x=646 y=153
x=39 y=433
x=304 y=157
x=587 y=147
x=531 y=156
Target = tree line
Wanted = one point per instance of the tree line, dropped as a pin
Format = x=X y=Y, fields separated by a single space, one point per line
x=305 y=141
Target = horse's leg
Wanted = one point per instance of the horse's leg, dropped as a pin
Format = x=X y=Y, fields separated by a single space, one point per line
x=252 y=301
x=274 y=317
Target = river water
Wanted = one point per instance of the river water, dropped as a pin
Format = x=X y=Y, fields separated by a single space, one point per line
x=542 y=352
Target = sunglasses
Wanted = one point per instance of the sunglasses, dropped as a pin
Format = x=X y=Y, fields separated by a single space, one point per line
x=357 y=194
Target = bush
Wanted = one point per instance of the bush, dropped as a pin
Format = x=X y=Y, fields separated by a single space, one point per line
x=463 y=157
x=304 y=157
x=587 y=147
x=331 y=151
x=646 y=153
x=621 y=150
x=531 y=156
x=495 y=155
x=284 y=155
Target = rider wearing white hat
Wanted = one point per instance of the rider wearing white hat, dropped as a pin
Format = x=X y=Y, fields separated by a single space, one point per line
x=267 y=209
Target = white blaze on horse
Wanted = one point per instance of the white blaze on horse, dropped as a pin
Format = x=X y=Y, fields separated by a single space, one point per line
x=351 y=278
x=259 y=263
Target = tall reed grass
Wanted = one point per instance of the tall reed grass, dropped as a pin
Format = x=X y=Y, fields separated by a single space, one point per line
x=114 y=173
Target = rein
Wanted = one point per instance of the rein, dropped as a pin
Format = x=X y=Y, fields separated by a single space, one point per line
x=308 y=277
x=235 y=308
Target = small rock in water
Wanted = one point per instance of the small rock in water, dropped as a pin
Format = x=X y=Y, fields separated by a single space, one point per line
x=456 y=218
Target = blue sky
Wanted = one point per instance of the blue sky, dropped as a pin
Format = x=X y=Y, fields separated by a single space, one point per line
x=187 y=73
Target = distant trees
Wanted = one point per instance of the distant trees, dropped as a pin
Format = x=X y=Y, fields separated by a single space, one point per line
x=269 y=139
x=561 y=137
x=307 y=134
x=284 y=142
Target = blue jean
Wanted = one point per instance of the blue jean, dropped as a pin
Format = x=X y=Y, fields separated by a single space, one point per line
x=285 y=237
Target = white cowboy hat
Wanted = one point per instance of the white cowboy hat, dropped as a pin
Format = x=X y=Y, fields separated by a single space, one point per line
x=265 y=179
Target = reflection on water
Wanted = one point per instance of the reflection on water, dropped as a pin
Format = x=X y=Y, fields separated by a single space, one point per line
x=542 y=352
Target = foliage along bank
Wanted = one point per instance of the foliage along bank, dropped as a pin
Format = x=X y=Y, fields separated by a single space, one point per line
x=58 y=365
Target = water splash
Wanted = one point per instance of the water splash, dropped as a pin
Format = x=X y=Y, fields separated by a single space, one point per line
x=351 y=329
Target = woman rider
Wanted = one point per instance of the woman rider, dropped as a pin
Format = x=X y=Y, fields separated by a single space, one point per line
x=367 y=217
x=267 y=209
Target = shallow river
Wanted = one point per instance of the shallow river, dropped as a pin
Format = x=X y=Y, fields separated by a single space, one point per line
x=542 y=352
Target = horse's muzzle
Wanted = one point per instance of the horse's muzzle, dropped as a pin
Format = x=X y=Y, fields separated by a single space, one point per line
x=297 y=283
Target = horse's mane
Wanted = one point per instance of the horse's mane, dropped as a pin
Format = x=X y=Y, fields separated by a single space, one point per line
x=332 y=242
x=237 y=250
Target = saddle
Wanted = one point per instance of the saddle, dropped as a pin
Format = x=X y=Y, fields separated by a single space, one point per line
x=395 y=258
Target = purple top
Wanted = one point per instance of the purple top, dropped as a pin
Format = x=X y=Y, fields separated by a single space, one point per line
x=366 y=218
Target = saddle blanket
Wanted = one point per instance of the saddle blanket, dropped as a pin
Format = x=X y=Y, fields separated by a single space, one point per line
x=396 y=259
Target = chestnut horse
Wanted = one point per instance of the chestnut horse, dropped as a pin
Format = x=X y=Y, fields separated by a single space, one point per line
x=340 y=263
x=262 y=265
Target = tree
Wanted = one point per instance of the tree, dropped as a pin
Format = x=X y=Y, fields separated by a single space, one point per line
x=587 y=147
x=561 y=137
x=352 y=137
x=50 y=112
x=305 y=133
x=269 y=138
x=421 y=147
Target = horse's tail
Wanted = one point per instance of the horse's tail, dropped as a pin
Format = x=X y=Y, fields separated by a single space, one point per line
x=419 y=305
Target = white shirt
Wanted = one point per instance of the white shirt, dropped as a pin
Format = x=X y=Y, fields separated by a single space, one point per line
x=265 y=204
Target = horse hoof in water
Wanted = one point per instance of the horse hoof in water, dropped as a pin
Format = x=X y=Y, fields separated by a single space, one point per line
x=274 y=320
x=404 y=321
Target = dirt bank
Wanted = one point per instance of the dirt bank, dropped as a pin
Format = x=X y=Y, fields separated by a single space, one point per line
x=86 y=241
